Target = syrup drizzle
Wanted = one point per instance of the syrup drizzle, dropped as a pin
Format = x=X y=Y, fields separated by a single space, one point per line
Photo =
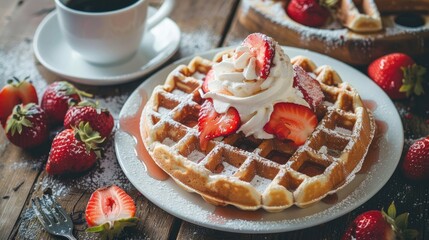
x=131 y=125
x=373 y=154
x=223 y=213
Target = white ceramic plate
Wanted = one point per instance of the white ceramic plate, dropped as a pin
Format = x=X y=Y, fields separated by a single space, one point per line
x=158 y=45
x=190 y=207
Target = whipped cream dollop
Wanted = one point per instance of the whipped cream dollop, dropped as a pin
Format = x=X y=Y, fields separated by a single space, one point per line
x=237 y=84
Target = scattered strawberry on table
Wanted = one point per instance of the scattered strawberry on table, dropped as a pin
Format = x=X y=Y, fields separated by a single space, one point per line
x=27 y=126
x=398 y=75
x=57 y=98
x=212 y=124
x=416 y=163
x=100 y=119
x=74 y=150
x=16 y=91
x=380 y=225
x=109 y=211
x=312 y=13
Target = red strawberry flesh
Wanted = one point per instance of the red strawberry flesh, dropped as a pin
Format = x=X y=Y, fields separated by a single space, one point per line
x=262 y=47
x=212 y=124
x=108 y=205
x=209 y=77
x=13 y=93
x=308 y=86
x=291 y=121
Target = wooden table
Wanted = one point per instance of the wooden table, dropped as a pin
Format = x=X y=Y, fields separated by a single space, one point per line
x=204 y=25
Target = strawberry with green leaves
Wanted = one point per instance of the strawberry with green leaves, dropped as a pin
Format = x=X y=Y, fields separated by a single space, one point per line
x=398 y=75
x=100 y=119
x=57 y=98
x=74 y=150
x=27 y=126
x=16 y=91
x=109 y=211
x=380 y=225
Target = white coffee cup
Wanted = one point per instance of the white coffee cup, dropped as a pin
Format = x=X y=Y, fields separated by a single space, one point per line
x=111 y=36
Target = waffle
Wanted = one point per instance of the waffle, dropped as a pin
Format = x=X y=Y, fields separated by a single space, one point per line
x=254 y=173
x=366 y=21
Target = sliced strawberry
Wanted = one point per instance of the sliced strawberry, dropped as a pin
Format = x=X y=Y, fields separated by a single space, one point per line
x=308 y=86
x=291 y=121
x=207 y=79
x=109 y=210
x=16 y=91
x=262 y=48
x=212 y=124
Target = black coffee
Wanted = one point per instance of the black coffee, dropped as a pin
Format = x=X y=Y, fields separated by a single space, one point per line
x=98 y=5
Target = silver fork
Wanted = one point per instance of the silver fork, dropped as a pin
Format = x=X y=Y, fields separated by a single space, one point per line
x=53 y=217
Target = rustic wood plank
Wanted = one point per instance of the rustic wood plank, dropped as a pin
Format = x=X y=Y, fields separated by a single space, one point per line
x=198 y=34
x=6 y=9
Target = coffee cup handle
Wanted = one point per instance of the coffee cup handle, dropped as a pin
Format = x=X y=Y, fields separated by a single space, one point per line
x=162 y=13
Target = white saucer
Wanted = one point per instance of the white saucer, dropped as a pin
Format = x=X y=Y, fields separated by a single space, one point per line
x=159 y=44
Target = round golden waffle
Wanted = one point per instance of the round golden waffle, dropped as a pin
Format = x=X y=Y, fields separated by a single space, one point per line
x=254 y=173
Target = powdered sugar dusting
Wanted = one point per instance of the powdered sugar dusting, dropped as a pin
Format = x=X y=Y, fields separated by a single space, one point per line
x=196 y=156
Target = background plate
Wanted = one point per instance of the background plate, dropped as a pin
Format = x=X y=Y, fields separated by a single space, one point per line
x=192 y=208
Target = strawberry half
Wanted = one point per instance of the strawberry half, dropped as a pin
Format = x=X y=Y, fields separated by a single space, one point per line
x=27 y=126
x=376 y=224
x=16 y=91
x=308 y=86
x=291 y=121
x=109 y=211
x=262 y=47
x=212 y=124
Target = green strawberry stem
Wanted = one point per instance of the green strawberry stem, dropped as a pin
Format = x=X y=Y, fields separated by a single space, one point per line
x=69 y=89
x=91 y=138
x=112 y=229
x=412 y=83
x=399 y=223
x=14 y=81
x=18 y=119
x=329 y=4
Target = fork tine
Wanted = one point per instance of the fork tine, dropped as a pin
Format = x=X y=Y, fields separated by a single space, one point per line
x=38 y=214
x=51 y=204
x=58 y=207
x=44 y=211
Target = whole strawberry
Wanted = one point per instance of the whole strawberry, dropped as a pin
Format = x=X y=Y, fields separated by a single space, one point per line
x=86 y=111
x=312 y=13
x=74 y=150
x=398 y=75
x=27 y=126
x=56 y=100
x=380 y=225
x=16 y=91
x=416 y=163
